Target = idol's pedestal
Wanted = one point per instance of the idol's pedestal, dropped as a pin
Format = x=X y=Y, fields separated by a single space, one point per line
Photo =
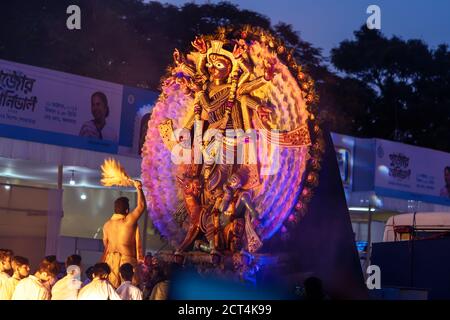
x=241 y=264
x=234 y=276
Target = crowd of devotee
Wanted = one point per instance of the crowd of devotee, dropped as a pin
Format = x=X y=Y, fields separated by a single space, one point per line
x=54 y=280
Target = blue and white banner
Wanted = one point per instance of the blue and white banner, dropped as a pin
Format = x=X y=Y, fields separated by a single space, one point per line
x=136 y=110
x=344 y=147
x=410 y=172
x=53 y=107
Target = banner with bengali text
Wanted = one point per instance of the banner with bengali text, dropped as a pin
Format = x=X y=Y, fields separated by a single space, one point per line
x=53 y=107
x=410 y=172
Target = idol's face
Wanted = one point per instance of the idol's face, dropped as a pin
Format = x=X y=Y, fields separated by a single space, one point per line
x=219 y=67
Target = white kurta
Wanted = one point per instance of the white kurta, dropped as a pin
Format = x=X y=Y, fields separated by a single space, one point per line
x=160 y=291
x=66 y=288
x=98 y=290
x=127 y=291
x=11 y=287
x=31 y=288
x=6 y=290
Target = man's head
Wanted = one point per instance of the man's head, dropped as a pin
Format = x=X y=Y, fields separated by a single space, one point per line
x=90 y=273
x=21 y=267
x=122 y=206
x=157 y=272
x=5 y=260
x=162 y=271
x=101 y=271
x=313 y=288
x=126 y=272
x=148 y=259
x=47 y=270
x=155 y=261
x=49 y=259
x=74 y=271
x=219 y=67
x=73 y=260
x=447 y=176
x=99 y=106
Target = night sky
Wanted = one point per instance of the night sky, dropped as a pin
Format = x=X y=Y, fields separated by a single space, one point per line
x=325 y=23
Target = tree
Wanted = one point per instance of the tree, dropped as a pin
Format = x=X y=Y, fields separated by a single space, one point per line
x=406 y=84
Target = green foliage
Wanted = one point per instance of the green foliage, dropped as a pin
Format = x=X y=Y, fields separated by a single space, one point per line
x=402 y=88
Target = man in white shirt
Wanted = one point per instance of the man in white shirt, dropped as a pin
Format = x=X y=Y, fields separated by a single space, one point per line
x=51 y=259
x=21 y=267
x=161 y=275
x=126 y=290
x=99 y=288
x=5 y=272
x=67 y=288
x=33 y=287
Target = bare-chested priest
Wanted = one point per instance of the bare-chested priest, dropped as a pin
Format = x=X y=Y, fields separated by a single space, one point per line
x=121 y=235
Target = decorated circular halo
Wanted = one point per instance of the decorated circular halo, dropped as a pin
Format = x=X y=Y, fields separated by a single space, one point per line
x=282 y=196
